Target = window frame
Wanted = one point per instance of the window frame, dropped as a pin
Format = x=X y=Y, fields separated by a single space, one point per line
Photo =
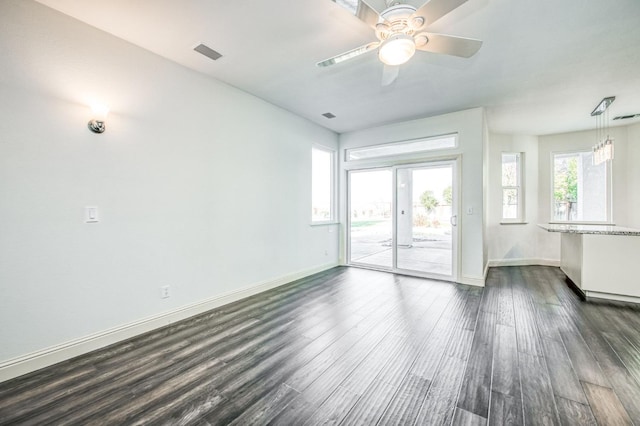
x=333 y=153
x=520 y=187
x=409 y=154
x=608 y=186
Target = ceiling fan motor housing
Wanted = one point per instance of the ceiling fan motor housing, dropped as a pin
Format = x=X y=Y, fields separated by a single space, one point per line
x=398 y=19
x=398 y=12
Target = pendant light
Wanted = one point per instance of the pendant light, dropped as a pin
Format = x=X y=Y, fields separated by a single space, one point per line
x=603 y=149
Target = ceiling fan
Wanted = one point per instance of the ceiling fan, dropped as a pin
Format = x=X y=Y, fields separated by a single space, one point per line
x=399 y=29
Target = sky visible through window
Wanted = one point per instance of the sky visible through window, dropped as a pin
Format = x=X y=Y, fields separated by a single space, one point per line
x=376 y=187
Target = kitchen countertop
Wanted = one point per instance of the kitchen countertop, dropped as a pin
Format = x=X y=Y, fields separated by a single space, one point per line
x=590 y=229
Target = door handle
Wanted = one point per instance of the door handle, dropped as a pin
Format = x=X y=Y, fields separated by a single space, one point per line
x=454 y=220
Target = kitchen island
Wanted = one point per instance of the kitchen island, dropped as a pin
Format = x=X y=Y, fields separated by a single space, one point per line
x=601 y=261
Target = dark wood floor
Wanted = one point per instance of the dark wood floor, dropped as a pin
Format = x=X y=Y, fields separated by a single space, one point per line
x=352 y=346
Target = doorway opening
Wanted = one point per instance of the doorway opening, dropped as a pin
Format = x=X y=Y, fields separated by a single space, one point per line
x=404 y=219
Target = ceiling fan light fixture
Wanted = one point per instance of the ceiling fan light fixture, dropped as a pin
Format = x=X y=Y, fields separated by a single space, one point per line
x=397 y=49
x=416 y=22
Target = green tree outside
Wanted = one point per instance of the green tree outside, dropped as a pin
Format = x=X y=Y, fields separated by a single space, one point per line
x=447 y=195
x=429 y=201
x=566 y=181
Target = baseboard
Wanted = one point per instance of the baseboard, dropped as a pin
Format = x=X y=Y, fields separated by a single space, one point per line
x=475 y=281
x=610 y=296
x=593 y=296
x=524 y=262
x=43 y=358
x=506 y=262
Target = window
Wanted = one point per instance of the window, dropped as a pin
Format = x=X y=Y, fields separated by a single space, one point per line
x=407 y=147
x=512 y=190
x=322 y=184
x=580 y=191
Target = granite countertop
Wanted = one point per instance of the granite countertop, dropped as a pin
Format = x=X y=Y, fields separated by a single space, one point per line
x=590 y=229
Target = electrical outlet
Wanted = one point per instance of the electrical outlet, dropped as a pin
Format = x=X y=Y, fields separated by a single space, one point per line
x=165 y=292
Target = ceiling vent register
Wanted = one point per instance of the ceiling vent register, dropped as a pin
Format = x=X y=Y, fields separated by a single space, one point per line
x=626 y=117
x=207 y=51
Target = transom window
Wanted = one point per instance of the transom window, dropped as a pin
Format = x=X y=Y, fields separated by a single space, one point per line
x=412 y=146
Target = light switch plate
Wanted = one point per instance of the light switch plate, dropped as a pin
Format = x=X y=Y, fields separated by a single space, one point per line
x=91 y=214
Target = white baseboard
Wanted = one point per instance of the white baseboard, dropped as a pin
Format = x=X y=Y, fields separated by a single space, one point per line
x=475 y=281
x=609 y=296
x=43 y=358
x=524 y=262
x=480 y=281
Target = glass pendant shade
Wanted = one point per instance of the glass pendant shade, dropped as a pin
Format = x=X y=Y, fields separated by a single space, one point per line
x=603 y=150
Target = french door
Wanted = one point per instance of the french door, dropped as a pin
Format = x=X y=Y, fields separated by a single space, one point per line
x=404 y=219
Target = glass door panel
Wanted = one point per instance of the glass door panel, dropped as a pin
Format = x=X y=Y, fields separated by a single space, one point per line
x=425 y=218
x=370 y=218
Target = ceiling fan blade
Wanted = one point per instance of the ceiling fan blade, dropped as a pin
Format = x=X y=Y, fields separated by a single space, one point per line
x=360 y=10
x=436 y=9
x=389 y=74
x=448 y=45
x=348 y=55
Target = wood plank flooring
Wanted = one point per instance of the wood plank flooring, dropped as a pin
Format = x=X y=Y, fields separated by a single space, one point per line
x=356 y=347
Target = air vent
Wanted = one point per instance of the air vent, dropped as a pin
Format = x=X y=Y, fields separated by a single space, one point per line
x=329 y=115
x=207 y=51
x=626 y=117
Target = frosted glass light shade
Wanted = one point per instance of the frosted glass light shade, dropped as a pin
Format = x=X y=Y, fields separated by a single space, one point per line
x=397 y=49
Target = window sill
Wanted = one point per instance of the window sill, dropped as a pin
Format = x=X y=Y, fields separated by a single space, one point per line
x=324 y=223
x=514 y=222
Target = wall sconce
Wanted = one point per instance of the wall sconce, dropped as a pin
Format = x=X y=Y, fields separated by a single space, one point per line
x=98 y=117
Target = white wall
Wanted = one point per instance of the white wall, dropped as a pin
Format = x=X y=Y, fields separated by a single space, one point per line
x=469 y=126
x=526 y=244
x=514 y=243
x=633 y=175
x=200 y=186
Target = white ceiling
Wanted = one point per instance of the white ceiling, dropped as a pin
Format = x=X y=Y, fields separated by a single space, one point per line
x=543 y=67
